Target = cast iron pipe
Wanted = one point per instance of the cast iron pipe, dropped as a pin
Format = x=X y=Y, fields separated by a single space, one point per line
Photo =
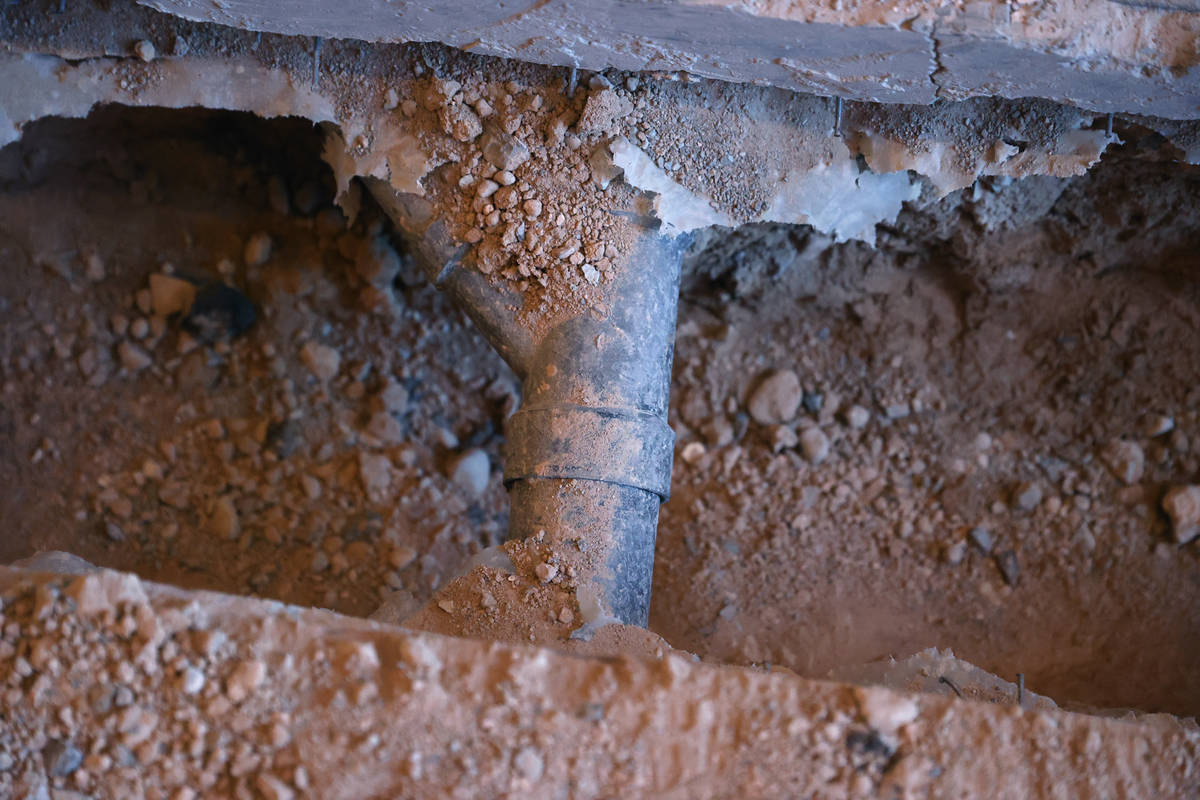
x=589 y=454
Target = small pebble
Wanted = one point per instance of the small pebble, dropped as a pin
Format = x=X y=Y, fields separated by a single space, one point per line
x=272 y=788
x=322 y=360
x=223 y=521
x=1157 y=425
x=1010 y=568
x=955 y=553
x=982 y=539
x=471 y=471
x=245 y=678
x=61 y=758
x=1126 y=461
x=692 y=452
x=139 y=328
x=546 y=571
x=857 y=417
x=529 y=764
x=1182 y=504
x=1027 y=496
x=776 y=398
x=133 y=358
x=144 y=50
x=257 y=249
x=191 y=681
x=815 y=445
x=170 y=295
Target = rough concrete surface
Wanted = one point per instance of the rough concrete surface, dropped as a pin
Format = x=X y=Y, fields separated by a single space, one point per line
x=116 y=687
x=1097 y=54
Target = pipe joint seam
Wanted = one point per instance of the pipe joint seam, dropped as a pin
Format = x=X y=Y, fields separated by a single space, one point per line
x=625 y=446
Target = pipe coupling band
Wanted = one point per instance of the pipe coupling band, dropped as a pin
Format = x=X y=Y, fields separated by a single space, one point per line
x=615 y=445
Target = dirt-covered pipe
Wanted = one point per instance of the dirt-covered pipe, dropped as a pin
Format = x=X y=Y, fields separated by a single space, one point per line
x=589 y=454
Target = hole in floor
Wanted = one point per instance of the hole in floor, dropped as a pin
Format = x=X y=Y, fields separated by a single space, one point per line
x=984 y=380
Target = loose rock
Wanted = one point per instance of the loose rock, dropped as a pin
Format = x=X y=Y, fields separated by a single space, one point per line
x=257 y=249
x=223 y=522
x=1027 y=496
x=322 y=361
x=603 y=108
x=815 y=444
x=170 y=295
x=504 y=152
x=144 y=50
x=61 y=758
x=1126 y=460
x=1010 y=568
x=470 y=472
x=245 y=678
x=133 y=358
x=776 y=398
x=857 y=417
x=1182 y=504
x=982 y=539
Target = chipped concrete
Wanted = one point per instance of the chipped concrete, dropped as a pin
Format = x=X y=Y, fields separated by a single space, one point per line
x=1104 y=56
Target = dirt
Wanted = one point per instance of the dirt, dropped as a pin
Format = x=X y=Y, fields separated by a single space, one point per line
x=242 y=422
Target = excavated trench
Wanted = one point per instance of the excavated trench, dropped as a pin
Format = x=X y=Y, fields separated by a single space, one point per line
x=388 y=330
x=993 y=345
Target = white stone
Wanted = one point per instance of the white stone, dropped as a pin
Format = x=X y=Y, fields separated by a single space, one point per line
x=529 y=764
x=144 y=50
x=857 y=417
x=322 y=361
x=191 y=681
x=815 y=445
x=776 y=398
x=471 y=472
x=1182 y=504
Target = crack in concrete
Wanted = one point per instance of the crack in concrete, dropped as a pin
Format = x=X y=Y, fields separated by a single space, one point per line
x=935 y=56
x=936 y=67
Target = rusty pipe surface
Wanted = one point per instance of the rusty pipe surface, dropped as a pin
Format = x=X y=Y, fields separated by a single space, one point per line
x=588 y=455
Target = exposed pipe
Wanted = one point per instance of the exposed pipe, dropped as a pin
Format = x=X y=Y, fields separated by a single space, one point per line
x=589 y=454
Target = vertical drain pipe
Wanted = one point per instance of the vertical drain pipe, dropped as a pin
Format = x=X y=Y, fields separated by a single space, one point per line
x=589 y=454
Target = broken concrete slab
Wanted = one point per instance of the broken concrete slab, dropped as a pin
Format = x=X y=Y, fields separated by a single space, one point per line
x=231 y=693
x=1104 y=56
